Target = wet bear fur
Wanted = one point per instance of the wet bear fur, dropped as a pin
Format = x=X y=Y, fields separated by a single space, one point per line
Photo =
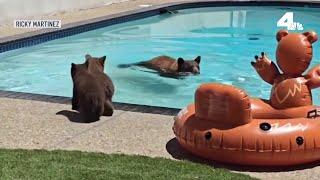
x=168 y=66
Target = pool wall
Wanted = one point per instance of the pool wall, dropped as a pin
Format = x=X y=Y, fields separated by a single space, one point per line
x=67 y=100
x=40 y=36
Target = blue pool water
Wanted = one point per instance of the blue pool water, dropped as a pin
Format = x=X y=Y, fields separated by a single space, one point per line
x=227 y=38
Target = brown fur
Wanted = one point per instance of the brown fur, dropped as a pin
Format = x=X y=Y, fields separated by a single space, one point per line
x=169 y=65
x=162 y=64
x=92 y=89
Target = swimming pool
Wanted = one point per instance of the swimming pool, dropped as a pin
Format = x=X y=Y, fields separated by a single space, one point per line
x=227 y=38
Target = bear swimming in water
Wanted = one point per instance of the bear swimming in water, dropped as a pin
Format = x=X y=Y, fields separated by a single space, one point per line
x=92 y=89
x=170 y=67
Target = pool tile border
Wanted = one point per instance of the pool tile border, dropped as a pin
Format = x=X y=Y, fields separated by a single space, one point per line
x=44 y=35
x=67 y=100
x=41 y=36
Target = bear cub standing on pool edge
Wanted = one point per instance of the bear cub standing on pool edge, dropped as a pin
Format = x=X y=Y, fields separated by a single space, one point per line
x=92 y=89
x=168 y=66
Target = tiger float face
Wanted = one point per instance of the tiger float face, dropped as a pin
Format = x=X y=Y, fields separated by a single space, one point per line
x=294 y=54
x=294 y=51
x=290 y=88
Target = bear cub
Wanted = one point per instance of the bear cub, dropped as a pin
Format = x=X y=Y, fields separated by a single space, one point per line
x=168 y=66
x=92 y=89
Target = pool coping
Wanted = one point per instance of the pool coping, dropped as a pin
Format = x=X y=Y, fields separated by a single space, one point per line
x=44 y=35
x=67 y=100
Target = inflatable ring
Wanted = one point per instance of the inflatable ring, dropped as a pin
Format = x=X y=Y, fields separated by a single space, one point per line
x=226 y=125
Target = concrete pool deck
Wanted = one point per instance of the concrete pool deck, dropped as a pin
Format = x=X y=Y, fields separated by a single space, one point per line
x=27 y=124
x=77 y=15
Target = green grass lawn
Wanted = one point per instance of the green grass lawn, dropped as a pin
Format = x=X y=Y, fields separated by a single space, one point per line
x=41 y=164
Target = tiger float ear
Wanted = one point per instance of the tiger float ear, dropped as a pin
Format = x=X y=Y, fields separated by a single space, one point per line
x=312 y=36
x=282 y=33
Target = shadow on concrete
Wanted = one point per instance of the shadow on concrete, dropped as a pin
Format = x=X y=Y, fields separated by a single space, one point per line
x=176 y=151
x=72 y=116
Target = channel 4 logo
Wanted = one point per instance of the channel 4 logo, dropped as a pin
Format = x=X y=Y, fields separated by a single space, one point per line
x=287 y=21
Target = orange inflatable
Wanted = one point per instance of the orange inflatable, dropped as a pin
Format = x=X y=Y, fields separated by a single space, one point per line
x=226 y=125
